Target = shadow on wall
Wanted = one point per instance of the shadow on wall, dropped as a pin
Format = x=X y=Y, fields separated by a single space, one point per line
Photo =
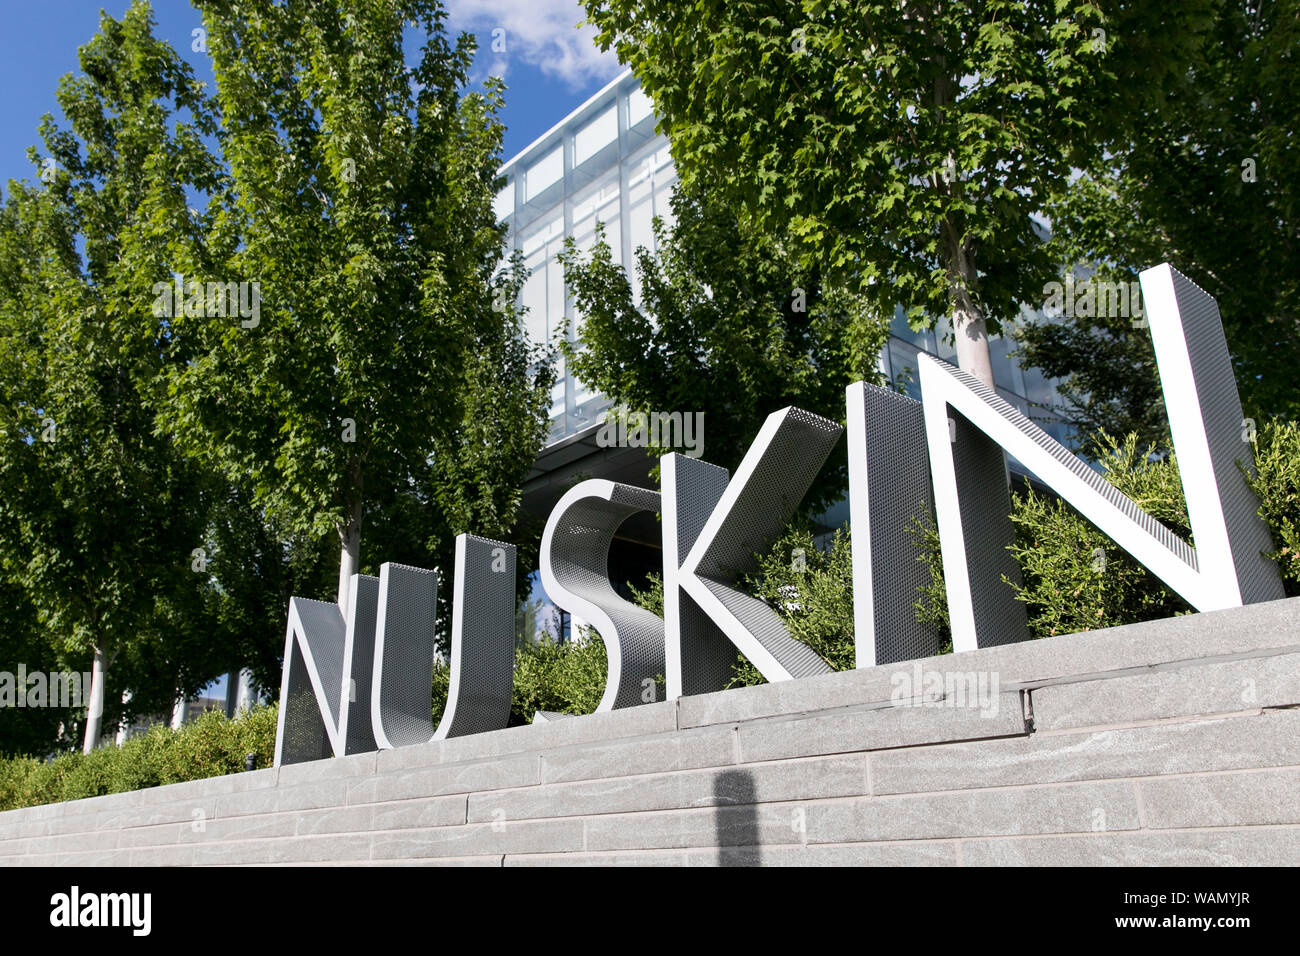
x=736 y=819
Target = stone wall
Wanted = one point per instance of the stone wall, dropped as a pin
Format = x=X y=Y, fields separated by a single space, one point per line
x=1173 y=742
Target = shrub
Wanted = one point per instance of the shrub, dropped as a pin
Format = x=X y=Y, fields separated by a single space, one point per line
x=566 y=678
x=210 y=746
x=812 y=591
x=931 y=605
x=1277 y=484
x=652 y=598
x=1077 y=579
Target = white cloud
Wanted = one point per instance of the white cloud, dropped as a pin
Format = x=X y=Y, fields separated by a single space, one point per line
x=544 y=33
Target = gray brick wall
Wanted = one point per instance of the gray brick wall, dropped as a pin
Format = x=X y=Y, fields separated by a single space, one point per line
x=1173 y=742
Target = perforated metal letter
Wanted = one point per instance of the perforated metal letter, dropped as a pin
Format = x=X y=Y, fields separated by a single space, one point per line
x=1227 y=567
x=889 y=495
x=325 y=684
x=574 y=569
x=697 y=653
x=758 y=502
x=482 y=647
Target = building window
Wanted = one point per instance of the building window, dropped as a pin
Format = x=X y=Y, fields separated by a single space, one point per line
x=595 y=136
x=638 y=107
x=504 y=204
x=544 y=173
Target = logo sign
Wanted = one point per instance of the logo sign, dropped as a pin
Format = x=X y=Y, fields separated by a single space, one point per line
x=77 y=908
x=362 y=682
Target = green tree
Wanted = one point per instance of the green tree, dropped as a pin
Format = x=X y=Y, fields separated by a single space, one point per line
x=729 y=325
x=1211 y=184
x=255 y=571
x=384 y=378
x=99 y=514
x=1105 y=374
x=906 y=145
x=23 y=642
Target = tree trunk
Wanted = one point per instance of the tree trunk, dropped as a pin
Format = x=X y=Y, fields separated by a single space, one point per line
x=350 y=558
x=244 y=692
x=239 y=692
x=95 y=711
x=232 y=690
x=972 y=340
x=124 y=729
x=970 y=334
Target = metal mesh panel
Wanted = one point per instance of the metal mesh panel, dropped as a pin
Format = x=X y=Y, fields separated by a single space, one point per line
x=578 y=557
x=358 y=662
x=890 y=468
x=766 y=626
x=1220 y=410
x=781 y=474
x=303 y=735
x=482 y=639
x=402 y=710
x=703 y=656
x=984 y=499
x=323 y=634
x=769 y=484
x=310 y=691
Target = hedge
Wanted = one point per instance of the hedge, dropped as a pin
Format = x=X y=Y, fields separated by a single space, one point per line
x=211 y=746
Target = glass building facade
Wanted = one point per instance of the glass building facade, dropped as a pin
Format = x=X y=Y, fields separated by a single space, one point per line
x=605 y=163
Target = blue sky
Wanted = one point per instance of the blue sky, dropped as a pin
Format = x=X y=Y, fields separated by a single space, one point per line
x=549 y=64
